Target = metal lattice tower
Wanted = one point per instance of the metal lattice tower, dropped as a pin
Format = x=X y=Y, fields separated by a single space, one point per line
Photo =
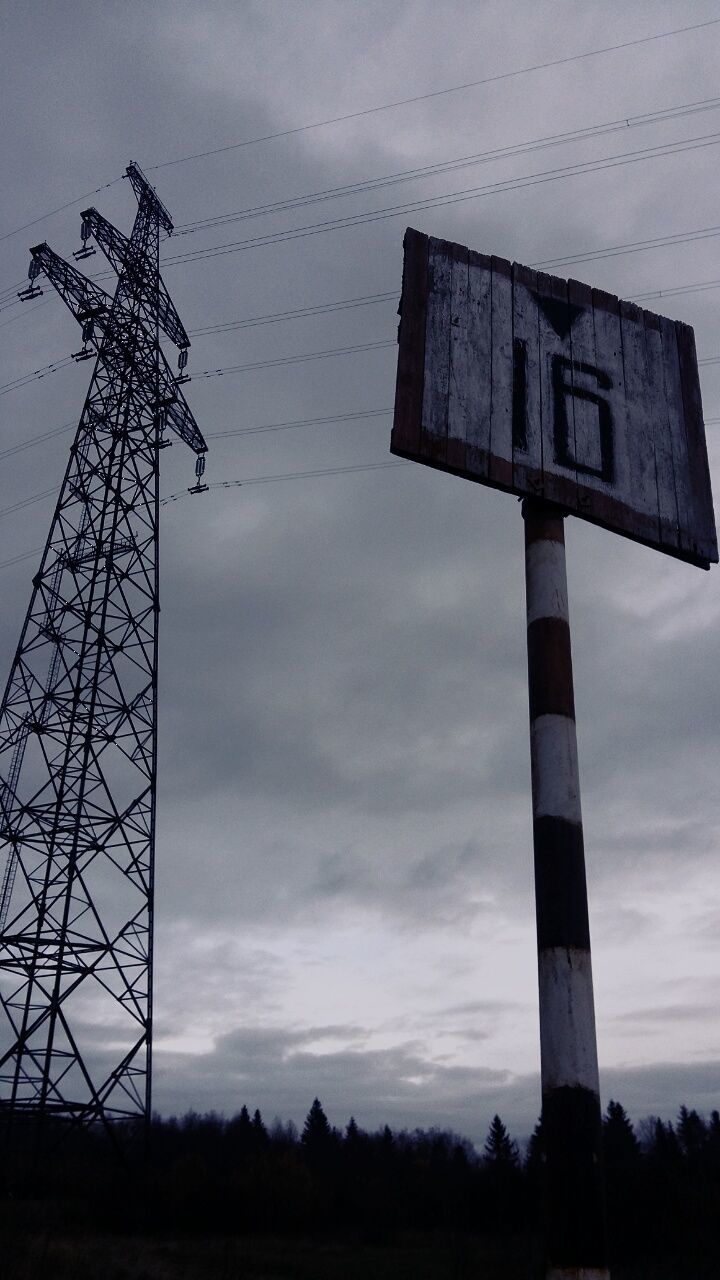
x=78 y=745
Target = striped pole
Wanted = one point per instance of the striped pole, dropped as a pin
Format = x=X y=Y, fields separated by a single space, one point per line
x=571 y=1117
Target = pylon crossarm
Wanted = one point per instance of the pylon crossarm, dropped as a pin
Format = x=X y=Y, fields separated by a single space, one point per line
x=115 y=247
x=85 y=299
x=121 y=328
x=148 y=197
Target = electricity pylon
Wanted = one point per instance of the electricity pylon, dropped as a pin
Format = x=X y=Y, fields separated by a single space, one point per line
x=78 y=744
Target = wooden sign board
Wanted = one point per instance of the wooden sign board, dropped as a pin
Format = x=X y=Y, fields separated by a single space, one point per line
x=548 y=388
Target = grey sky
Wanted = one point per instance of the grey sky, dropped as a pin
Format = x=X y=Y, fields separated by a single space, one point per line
x=344 y=882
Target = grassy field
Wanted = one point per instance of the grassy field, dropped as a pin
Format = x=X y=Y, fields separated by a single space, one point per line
x=46 y=1257
x=55 y=1257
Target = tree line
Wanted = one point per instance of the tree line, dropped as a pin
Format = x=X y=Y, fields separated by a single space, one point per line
x=209 y=1174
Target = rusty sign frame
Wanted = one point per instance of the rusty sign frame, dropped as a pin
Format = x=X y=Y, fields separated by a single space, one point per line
x=551 y=389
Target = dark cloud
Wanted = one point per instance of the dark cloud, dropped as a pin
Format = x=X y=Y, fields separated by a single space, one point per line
x=668 y=1013
x=402 y=1086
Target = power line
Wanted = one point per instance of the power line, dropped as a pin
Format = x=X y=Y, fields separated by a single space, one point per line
x=289 y=475
x=299 y=422
x=300 y=359
x=636 y=246
x=255 y=430
x=61 y=207
x=387 y=106
x=280 y=361
x=590 y=255
x=457 y=197
x=318 y=309
x=269 y=479
x=25 y=378
x=679 y=289
x=231 y=484
x=365 y=300
x=10 y=291
x=214 y=435
x=446 y=166
x=34 y=307
x=8 y=296
x=436 y=93
x=27 y=502
x=5 y=564
x=326 y=308
x=28 y=444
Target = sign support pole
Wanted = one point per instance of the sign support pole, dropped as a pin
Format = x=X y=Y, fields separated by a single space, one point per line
x=571 y=1116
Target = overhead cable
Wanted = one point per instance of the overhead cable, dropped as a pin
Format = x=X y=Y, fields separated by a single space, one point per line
x=25 y=555
x=447 y=166
x=634 y=246
x=318 y=309
x=700 y=287
x=289 y=475
x=216 y=435
x=221 y=484
x=25 y=378
x=33 y=440
x=438 y=93
x=300 y=359
x=457 y=197
x=61 y=207
x=327 y=308
x=27 y=502
x=299 y=422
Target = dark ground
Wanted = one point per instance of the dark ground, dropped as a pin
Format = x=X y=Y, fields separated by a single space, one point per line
x=43 y=1256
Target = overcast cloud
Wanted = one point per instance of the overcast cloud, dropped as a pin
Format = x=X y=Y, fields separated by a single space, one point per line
x=344 y=862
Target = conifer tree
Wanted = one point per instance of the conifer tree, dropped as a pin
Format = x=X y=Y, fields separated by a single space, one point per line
x=620 y=1145
x=500 y=1151
x=240 y=1130
x=535 y=1151
x=692 y=1134
x=713 y=1144
x=316 y=1133
x=260 y=1133
x=665 y=1149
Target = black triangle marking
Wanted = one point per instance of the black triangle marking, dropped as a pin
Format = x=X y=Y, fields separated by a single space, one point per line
x=562 y=315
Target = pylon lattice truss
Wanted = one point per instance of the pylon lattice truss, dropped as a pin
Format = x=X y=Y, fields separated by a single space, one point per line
x=78 y=745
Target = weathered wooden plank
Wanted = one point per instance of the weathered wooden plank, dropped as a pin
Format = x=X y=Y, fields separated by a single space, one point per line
x=605 y=481
x=633 y=422
x=437 y=352
x=460 y=357
x=705 y=536
x=526 y=409
x=652 y=392
x=590 y=447
x=500 y=468
x=556 y=406
x=676 y=424
x=407 y=420
x=479 y=389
